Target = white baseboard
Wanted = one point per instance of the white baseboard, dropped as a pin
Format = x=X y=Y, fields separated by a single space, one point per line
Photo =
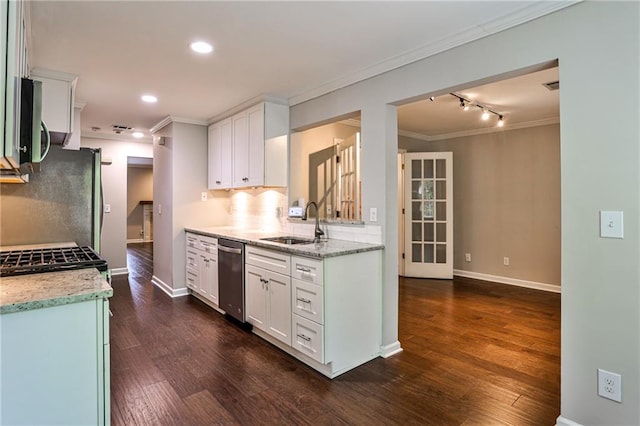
x=389 y=350
x=172 y=292
x=506 y=280
x=563 y=421
x=138 y=240
x=119 y=271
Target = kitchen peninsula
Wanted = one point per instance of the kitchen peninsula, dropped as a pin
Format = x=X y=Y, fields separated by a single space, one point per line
x=55 y=348
x=317 y=301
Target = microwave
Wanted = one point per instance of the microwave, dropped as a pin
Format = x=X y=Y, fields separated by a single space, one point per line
x=33 y=131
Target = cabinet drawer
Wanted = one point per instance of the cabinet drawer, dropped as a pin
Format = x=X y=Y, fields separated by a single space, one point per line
x=268 y=259
x=192 y=240
x=308 y=337
x=208 y=244
x=192 y=258
x=193 y=279
x=308 y=300
x=305 y=269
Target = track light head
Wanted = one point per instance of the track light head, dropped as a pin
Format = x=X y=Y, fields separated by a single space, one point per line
x=432 y=98
x=500 y=121
x=485 y=114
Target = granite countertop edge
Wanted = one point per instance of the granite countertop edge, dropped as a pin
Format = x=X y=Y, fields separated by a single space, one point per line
x=36 y=291
x=324 y=249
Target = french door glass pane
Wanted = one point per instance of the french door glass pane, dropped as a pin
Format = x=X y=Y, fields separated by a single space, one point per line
x=428 y=253
x=441 y=189
x=416 y=210
x=441 y=210
x=428 y=231
x=441 y=253
x=416 y=169
x=441 y=168
x=427 y=187
x=428 y=169
x=428 y=210
x=416 y=231
x=416 y=253
x=441 y=232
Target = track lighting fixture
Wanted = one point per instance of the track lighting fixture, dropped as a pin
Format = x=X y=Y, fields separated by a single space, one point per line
x=432 y=98
x=465 y=104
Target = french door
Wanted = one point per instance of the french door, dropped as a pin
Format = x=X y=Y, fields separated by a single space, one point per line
x=428 y=183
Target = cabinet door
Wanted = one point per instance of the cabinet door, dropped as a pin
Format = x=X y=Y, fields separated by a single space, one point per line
x=209 y=280
x=241 y=150
x=255 y=154
x=11 y=14
x=220 y=154
x=279 y=306
x=256 y=300
x=204 y=268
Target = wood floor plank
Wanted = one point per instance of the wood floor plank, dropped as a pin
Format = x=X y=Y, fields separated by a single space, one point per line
x=474 y=353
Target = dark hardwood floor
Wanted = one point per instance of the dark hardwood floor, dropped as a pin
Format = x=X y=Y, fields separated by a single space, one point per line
x=475 y=353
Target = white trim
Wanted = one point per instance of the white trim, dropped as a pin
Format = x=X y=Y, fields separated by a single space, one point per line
x=177 y=292
x=465 y=36
x=508 y=280
x=389 y=350
x=173 y=119
x=563 y=421
x=248 y=104
x=112 y=136
x=473 y=132
x=119 y=271
x=135 y=240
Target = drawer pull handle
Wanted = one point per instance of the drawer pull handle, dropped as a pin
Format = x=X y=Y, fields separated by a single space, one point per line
x=303 y=337
x=301 y=269
x=303 y=300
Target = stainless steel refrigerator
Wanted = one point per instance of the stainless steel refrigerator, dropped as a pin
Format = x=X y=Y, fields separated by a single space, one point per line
x=61 y=203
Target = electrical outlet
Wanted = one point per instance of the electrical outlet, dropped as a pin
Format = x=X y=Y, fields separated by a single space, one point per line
x=467 y=257
x=373 y=214
x=328 y=209
x=610 y=385
x=505 y=261
x=107 y=208
x=204 y=196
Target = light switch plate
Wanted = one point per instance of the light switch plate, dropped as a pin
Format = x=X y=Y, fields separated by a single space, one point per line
x=611 y=224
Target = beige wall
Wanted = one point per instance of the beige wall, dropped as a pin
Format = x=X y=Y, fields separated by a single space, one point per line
x=139 y=188
x=506 y=192
x=304 y=143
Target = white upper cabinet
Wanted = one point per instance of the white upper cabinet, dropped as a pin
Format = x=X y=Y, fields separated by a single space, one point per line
x=58 y=98
x=257 y=152
x=220 y=155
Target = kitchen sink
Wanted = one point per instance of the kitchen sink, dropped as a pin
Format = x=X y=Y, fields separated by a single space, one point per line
x=289 y=240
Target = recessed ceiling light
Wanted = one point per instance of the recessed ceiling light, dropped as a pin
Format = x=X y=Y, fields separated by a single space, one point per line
x=149 y=99
x=201 y=47
x=137 y=135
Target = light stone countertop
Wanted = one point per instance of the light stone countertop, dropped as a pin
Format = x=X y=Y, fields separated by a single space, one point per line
x=326 y=248
x=35 y=291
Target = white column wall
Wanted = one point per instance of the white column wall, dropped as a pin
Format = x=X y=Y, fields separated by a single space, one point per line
x=597 y=45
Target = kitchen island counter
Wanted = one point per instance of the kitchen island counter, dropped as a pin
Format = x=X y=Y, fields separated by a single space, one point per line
x=35 y=291
x=325 y=248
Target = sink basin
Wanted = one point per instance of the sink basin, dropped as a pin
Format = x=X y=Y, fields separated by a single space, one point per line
x=289 y=240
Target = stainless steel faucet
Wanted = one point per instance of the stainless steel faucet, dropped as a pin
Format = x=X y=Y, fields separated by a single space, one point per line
x=318 y=232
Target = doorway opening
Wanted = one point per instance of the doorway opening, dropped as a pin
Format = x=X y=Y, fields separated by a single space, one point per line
x=139 y=200
x=506 y=233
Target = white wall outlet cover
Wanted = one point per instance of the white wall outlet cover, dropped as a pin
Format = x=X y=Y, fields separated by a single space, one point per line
x=373 y=214
x=611 y=224
x=204 y=196
x=610 y=385
x=107 y=208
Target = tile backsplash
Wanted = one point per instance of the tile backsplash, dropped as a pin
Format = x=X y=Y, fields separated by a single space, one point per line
x=266 y=209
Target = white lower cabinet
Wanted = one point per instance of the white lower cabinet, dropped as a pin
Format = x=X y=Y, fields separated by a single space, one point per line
x=56 y=365
x=332 y=306
x=202 y=266
x=268 y=293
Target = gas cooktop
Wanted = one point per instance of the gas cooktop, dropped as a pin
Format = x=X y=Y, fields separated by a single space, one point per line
x=33 y=261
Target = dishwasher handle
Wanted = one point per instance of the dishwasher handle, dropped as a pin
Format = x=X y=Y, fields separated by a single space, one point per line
x=229 y=249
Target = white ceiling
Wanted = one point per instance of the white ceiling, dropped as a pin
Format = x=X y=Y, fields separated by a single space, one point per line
x=291 y=50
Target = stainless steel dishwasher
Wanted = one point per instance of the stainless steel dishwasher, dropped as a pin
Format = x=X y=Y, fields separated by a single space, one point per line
x=231 y=278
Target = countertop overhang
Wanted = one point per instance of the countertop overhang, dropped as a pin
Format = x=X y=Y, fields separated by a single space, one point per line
x=323 y=249
x=35 y=291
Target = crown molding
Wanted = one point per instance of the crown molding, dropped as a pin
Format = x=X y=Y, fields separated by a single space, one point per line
x=526 y=14
x=174 y=119
x=485 y=131
x=113 y=136
x=248 y=104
